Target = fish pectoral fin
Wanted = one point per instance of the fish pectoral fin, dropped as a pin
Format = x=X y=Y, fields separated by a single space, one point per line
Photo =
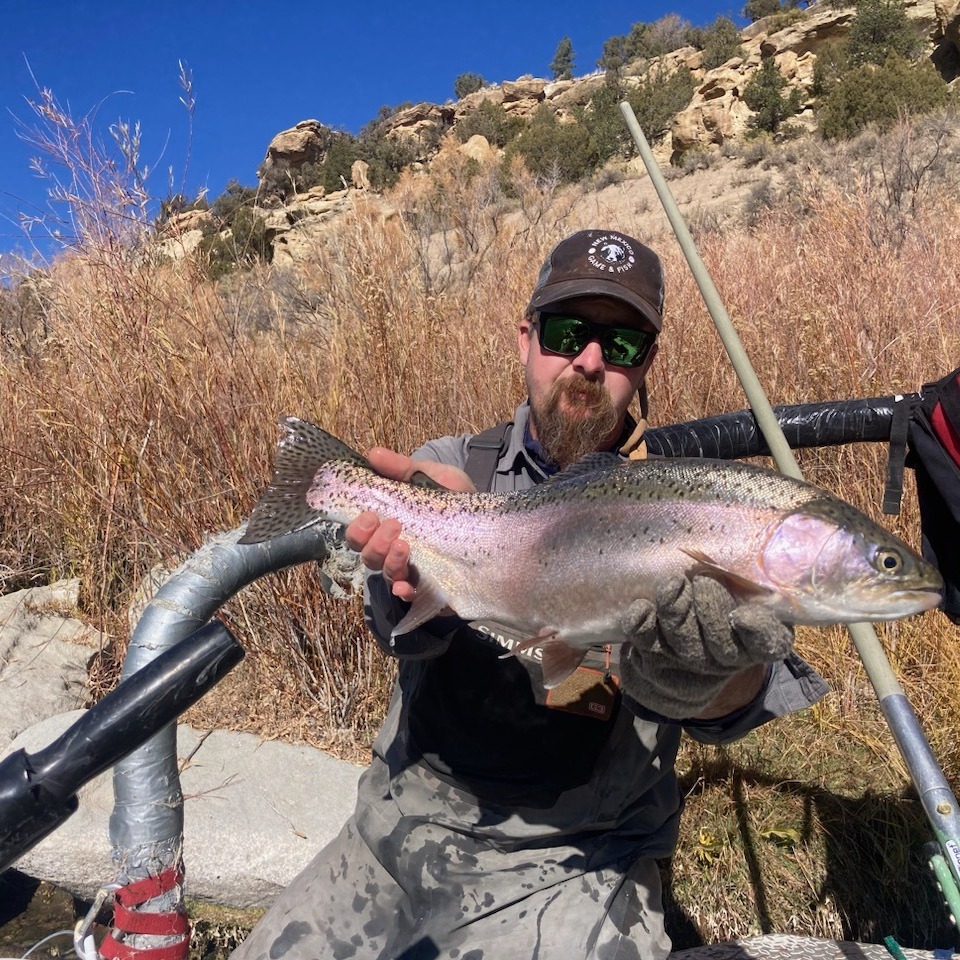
x=738 y=585
x=557 y=658
x=559 y=661
x=427 y=604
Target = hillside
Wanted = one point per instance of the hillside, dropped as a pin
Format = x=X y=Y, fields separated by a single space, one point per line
x=722 y=107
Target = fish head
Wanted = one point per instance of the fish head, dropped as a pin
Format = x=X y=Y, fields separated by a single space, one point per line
x=835 y=565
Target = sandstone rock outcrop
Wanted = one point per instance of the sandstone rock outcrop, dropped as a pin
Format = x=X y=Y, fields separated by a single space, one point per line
x=307 y=142
x=947 y=16
x=716 y=112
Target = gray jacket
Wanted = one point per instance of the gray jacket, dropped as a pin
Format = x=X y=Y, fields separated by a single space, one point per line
x=471 y=743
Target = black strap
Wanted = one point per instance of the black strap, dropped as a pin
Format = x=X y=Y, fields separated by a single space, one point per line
x=484 y=452
x=893 y=490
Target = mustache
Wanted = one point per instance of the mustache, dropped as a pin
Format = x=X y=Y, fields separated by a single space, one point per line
x=580 y=388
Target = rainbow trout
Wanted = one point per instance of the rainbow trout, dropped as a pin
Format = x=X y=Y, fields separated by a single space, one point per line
x=561 y=562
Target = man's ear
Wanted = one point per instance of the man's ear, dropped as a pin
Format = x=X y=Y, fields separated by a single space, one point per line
x=523 y=338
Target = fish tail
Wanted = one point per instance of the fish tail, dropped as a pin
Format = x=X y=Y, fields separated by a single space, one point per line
x=302 y=451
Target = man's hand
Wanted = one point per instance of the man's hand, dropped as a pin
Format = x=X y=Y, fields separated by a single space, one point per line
x=378 y=541
x=685 y=651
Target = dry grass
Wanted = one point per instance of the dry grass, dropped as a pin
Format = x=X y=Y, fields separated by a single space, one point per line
x=139 y=409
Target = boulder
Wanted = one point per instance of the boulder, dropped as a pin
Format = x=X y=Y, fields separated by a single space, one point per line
x=420 y=124
x=820 y=25
x=556 y=87
x=359 y=174
x=716 y=112
x=579 y=92
x=179 y=247
x=479 y=149
x=307 y=142
x=517 y=90
x=797 y=70
x=473 y=100
x=255 y=812
x=181 y=223
x=44 y=654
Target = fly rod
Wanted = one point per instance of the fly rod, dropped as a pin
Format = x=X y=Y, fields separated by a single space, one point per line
x=938 y=800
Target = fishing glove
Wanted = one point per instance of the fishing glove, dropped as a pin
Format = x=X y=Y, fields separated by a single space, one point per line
x=683 y=649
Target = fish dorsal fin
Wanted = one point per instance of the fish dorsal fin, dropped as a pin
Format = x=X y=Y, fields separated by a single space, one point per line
x=420 y=479
x=738 y=585
x=302 y=451
x=591 y=463
x=305 y=445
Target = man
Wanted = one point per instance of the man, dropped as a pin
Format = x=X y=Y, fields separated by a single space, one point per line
x=500 y=820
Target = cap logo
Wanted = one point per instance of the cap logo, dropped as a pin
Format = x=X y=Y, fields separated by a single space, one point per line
x=611 y=254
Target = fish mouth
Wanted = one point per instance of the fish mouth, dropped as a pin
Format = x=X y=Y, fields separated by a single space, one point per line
x=912 y=600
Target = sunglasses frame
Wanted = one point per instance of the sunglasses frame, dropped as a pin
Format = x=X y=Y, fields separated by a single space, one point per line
x=599 y=332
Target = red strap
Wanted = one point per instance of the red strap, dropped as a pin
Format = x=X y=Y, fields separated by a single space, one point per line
x=946 y=432
x=113 y=950
x=157 y=924
x=129 y=921
x=135 y=892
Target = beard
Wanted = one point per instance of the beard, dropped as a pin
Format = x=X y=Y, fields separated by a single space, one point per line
x=575 y=418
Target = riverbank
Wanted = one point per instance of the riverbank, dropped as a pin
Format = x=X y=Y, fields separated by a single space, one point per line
x=31 y=910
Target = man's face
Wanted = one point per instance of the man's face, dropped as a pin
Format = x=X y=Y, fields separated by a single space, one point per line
x=578 y=403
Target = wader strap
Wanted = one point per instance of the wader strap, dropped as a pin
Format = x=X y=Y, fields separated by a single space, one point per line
x=893 y=490
x=636 y=447
x=484 y=452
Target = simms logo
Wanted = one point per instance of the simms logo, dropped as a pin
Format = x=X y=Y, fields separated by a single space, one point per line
x=508 y=643
x=611 y=254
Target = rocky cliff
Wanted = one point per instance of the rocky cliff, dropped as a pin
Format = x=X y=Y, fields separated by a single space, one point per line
x=715 y=114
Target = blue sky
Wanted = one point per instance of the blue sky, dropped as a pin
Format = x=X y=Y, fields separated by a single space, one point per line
x=259 y=68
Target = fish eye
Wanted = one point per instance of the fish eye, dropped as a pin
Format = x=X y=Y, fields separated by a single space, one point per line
x=888 y=561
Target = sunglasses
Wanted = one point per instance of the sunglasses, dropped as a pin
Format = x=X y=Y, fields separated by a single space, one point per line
x=567 y=336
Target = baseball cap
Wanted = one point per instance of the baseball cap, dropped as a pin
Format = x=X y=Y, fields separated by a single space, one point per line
x=602 y=263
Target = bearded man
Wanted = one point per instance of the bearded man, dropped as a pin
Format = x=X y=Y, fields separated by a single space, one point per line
x=499 y=819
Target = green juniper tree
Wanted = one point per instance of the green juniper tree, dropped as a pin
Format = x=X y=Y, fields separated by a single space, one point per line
x=562 y=64
x=763 y=94
x=466 y=84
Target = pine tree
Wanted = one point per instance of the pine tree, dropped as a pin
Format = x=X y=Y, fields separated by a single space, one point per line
x=763 y=94
x=562 y=63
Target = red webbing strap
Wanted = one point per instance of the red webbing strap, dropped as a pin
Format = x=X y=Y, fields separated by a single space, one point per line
x=113 y=950
x=129 y=921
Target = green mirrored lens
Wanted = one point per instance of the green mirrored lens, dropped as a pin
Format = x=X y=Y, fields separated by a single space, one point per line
x=621 y=346
x=566 y=335
x=624 y=346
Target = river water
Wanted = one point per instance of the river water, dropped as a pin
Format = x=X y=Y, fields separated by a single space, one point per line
x=30 y=911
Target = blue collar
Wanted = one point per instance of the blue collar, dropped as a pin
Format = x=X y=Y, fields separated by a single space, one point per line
x=537 y=455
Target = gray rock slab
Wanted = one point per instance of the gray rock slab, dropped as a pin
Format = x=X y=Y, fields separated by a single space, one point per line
x=255 y=813
x=44 y=654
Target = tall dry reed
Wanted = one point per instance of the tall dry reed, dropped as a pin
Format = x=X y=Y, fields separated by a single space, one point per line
x=146 y=418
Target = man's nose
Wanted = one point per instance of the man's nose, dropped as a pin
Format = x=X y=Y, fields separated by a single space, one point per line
x=589 y=360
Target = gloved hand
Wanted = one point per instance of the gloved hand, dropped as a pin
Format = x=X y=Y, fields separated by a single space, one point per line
x=684 y=649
